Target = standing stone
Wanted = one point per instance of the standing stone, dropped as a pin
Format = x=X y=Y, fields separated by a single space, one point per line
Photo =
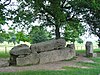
x=31 y=59
x=89 y=49
x=20 y=50
x=71 y=46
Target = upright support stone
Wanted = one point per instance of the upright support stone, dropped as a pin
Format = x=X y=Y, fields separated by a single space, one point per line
x=72 y=47
x=89 y=49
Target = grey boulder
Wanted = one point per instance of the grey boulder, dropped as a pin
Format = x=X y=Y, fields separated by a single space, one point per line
x=31 y=59
x=22 y=49
x=48 y=45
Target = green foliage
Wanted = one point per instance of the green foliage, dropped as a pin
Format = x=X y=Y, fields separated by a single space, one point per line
x=53 y=13
x=73 y=30
x=39 y=34
x=13 y=39
x=2 y=21
x=4 y=36
x=79 y=40
x=21 y=36
x=89 y=11
x=50 y=12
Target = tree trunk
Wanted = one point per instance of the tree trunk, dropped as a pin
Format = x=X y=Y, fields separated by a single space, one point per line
x=57 y=31
x=99 y=42
x=98 y=39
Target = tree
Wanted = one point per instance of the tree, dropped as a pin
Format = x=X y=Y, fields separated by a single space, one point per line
x=73 y=31
x=90 y=14
x=3 y=10
x=79 y=40
x=94 y=24
x=39 y=34
x=93 y=20
x=21 y=36
x=49 y=12
x=1 y=39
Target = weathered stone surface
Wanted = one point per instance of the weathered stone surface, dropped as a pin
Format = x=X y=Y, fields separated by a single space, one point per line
x=4 y=62
x=92 y=55
x=71 y=46
x=12 y=60
x=28 y=60
x=89 y=48
x=43 y=52
x=48 y=45
x=56 y=55
x=22 y=49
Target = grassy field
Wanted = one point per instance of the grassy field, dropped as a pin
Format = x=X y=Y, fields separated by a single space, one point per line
x=93 y=70
x=4 y=55
x=71 y=71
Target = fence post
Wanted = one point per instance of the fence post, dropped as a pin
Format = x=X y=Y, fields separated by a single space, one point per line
x=5 y=48
x=81 y=47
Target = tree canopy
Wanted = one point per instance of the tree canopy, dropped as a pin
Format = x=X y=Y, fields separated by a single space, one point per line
x=39 y=34
x=54 y=13
x=49 y=12
x=73 y=30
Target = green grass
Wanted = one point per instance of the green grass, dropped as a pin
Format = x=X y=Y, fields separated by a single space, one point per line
x=93 y=70
x=83 y=51
x=88 y=64
x=68 y=71
x=97 y=50
x=4 y=55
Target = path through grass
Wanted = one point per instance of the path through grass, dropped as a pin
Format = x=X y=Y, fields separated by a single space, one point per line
x=94 y=70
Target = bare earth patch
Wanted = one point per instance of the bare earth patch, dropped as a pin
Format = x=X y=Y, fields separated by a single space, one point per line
x=48 y=66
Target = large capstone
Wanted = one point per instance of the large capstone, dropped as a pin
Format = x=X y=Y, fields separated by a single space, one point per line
x=48 y=45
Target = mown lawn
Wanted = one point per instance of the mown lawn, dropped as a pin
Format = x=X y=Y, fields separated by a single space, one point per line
x=4 y=55
x=93 y=70
x=83 y=51
x=67 y=71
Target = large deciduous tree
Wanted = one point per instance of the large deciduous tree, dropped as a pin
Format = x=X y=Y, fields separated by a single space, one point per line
x=55 y=13
x=73 y=30
x=90 y=11
x=3 y=10
x=50 y=12
x=93 y=19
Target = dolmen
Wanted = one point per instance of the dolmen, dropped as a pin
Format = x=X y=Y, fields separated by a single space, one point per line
x=40 y=53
